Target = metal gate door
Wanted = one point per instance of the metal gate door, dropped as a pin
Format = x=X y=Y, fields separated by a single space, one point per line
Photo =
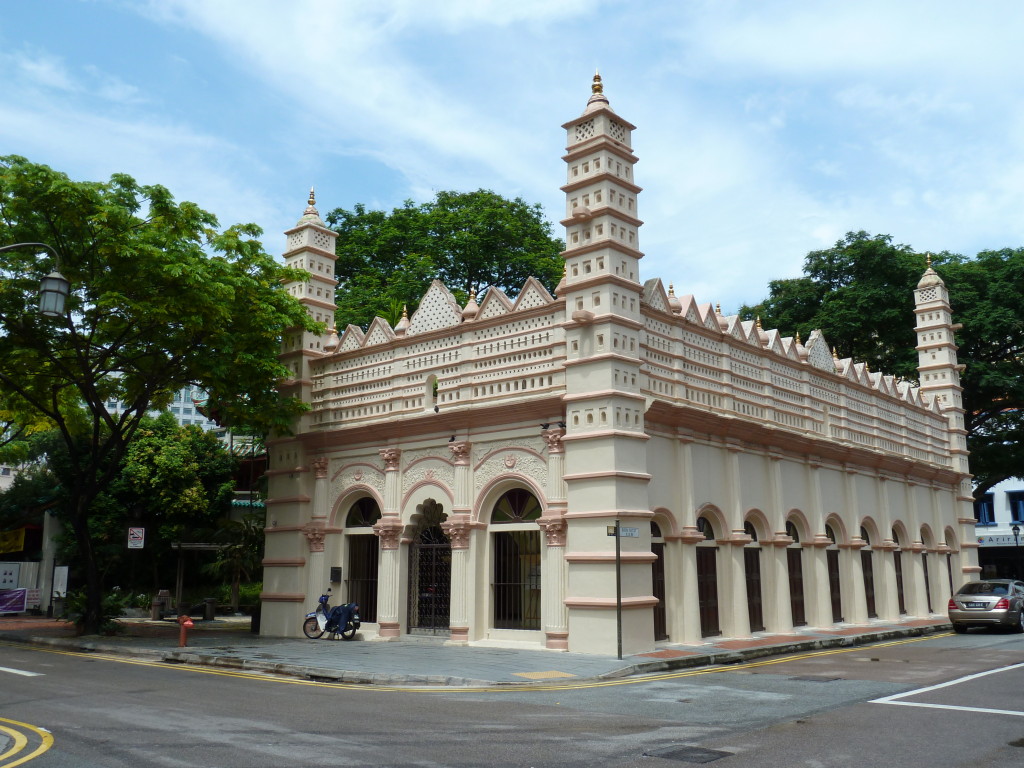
x=752 y=568
x=794 y=559
x=707 y=591
x=832 y=559
x=658 y=582
x=430 y=582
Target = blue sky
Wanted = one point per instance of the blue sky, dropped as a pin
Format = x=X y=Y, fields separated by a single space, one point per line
x=766 y=128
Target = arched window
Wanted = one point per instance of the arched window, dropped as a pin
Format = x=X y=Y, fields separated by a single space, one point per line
x=516 y=506
x=793 y=532
x=751 y=531
x=363 y=513
x=705 y=527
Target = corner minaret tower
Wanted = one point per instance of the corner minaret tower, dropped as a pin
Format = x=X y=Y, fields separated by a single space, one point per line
x=937 y=366
x=605 y=444
x=310 y=247
x=939 y=374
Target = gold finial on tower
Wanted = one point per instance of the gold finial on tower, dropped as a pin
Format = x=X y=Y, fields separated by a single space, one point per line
x=834 y=353
x=928 y=259
x=312 y=197
x=597 y=87
x=718 y=308
x=671 y=290
x=759 y=323
x=798 y=338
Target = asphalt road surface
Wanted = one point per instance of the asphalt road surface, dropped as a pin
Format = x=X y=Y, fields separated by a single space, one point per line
x=951 y=700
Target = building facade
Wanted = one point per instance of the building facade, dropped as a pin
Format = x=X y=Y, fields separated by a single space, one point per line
x=465 y=473
x=996 y=513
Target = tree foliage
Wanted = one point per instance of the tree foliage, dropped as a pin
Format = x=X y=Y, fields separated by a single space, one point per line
x=469 y=241
x=160 y=298
x=860 y=294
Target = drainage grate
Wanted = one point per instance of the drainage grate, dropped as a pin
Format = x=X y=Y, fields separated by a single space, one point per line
x=687 y=754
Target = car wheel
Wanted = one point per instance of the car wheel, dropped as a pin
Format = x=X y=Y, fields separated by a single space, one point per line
x=959 y=628
x=1019 y=626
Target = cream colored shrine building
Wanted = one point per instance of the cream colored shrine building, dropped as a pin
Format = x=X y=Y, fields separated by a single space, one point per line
x=459 y=474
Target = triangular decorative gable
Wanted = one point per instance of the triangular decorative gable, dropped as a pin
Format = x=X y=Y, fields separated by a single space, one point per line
x=753 y=336
x=789 y=344
x=818 y=354
x=709 y=318
x=735 y=328
x=379 y=332
x=533 y=295
x=774 y=342
x=688 y=309
x=437 y=310
x=655 y=296
x=352 y=339
x=495 y=304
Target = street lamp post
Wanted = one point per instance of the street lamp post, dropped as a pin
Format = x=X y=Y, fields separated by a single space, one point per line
x=1016 y=549
x=54 y=288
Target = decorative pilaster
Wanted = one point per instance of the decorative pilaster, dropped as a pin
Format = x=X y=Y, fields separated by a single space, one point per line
x=389 y=531
x=555 y=570
x=458 y=528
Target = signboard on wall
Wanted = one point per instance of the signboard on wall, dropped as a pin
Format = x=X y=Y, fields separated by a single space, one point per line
x=136 y=538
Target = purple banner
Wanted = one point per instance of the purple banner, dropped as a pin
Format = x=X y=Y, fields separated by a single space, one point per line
x=13 y=600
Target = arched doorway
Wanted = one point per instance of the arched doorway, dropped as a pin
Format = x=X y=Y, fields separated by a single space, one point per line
x=752 y=572
x=795 y=564
x=363 y=549
x=707 y=580
x=430 y=573
x=834 y=575
x=897 y=558
x=658 y=582
x=516 y=578
x=868 y=569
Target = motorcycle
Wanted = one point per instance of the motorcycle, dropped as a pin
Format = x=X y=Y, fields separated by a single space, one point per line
x=341 y=620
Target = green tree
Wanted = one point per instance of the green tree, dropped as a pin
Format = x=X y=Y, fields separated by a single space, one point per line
x=468 y=240
x=160 y=298
x=241 y=552
x=860 y=294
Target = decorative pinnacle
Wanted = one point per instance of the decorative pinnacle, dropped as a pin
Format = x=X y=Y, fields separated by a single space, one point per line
x=759 y=323
x=718 y=308
x=798 y=338
x=597 y=87
x=312 y=197
x=671 y=290
x=928 y=259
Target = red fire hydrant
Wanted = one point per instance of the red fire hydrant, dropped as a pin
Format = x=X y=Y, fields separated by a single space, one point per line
x=185 y=622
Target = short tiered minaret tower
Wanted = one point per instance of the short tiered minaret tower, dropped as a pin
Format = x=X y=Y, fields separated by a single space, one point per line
x=937 y=365
x=939 y=374
x=310 y=247
x=605 y=445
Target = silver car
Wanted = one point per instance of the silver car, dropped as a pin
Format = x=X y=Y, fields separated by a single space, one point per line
x=988 y=603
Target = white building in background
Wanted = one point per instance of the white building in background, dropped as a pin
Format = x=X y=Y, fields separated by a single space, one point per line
x=462 y=474
x=183 y=408
x=996 y=513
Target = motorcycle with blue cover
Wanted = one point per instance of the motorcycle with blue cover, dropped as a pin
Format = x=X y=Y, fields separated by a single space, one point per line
x=340 y=621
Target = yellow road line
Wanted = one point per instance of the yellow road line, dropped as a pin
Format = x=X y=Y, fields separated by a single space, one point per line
x=45 y=742
x=19 y=741
x=636 y=680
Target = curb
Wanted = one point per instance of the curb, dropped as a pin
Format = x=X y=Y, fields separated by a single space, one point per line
x=349 y=677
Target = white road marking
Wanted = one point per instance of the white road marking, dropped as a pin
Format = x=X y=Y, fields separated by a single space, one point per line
x=894 y=698
x=21 y=672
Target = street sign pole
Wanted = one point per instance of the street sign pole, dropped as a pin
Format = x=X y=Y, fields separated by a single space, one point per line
x=618 y=586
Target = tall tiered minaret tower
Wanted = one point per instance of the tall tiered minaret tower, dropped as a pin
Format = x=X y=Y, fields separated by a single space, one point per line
x=605 y=445
x=310 y=247
x=939 y=374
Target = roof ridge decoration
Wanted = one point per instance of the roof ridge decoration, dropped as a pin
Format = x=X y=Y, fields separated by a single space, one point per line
x=819 y=354
x=710 y=318
x=532 y=294
x=773 y=342
x=494 y=304
x=654 y=295
x=438 y=310
x=311 y=215
x=351 y=339
x=379 y=332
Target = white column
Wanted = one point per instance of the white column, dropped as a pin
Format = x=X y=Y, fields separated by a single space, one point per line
x=389 y=531
x=457 y=529
x=555 y=571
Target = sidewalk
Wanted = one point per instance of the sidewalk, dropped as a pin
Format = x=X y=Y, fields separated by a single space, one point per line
x=228 y=643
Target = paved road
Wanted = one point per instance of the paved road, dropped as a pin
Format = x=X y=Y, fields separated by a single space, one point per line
x=816 y=710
